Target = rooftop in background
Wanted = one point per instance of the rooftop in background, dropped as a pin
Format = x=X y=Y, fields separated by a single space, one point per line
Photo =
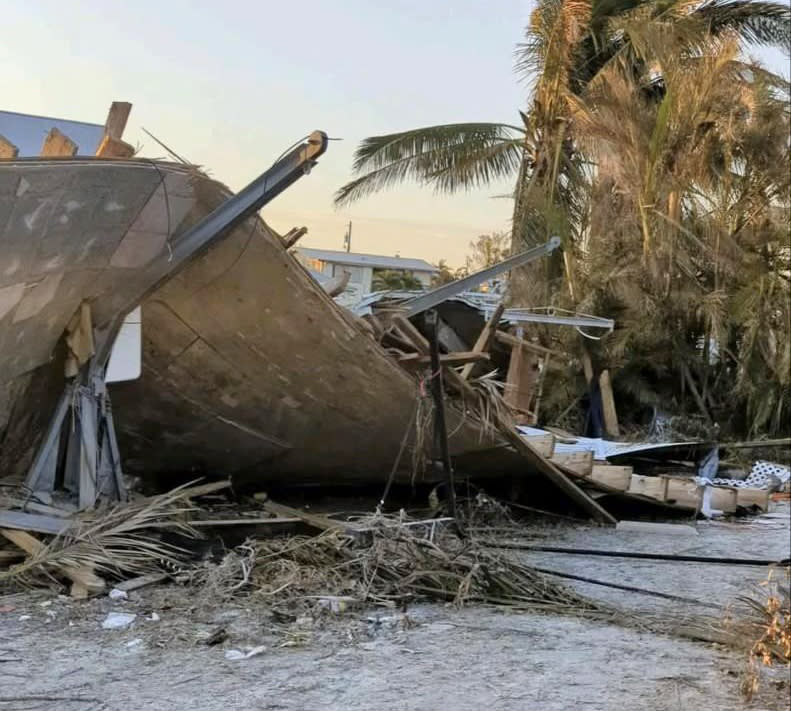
x=366 y=260
x=28 y=132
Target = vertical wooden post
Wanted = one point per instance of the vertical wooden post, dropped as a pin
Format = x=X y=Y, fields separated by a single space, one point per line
x=111 y=145
x=117 y=117
x=8 y=151
x=608 y=405
x=58 y=145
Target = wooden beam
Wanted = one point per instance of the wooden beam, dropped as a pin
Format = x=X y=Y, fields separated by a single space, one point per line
x=86 y=582
x=608 y=405
x=8 y=151
x=612 y=476
x=451 y=359
x=484 y=338
x=511 y=340
x=579 y=462
x=58 y=145
x=117 y=117
x=293 y=236
x=114 y=148
x=410 y=331
x=319 y=521
x=543 y=444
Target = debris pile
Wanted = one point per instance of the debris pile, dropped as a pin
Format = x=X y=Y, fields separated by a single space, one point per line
x=385 y=561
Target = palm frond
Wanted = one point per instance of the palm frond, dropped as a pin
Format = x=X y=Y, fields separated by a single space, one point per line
x=760 y=23
x=449 y=158
x=120 y=541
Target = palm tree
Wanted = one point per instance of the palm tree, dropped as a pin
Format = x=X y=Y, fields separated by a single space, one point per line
x=568 y=43
x=395 y=280
x=684 y=233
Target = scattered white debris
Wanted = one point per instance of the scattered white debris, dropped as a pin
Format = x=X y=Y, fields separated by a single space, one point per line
x=136 y=642
x=46 y=603
x=22 y=618
x=118 y=620
x=336 y=604
x=235 y=654
x=154 y=617
x=116 y=594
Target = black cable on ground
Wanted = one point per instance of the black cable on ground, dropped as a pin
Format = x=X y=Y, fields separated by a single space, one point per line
x=639 y=556
x=627 y=588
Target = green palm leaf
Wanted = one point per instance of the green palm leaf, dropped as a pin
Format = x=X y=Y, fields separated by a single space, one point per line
x=449 y=158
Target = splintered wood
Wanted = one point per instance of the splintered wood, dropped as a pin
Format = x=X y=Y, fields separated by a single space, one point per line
x=58 y=145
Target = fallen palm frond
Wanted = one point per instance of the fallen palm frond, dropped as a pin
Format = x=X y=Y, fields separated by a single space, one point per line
x=765 y=621
x=117 y=542
x=393 y=564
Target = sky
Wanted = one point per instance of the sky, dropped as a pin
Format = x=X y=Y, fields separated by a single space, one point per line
x=229 y=85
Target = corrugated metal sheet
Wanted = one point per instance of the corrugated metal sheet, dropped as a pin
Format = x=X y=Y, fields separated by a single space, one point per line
x=606 y=449
x=28 y=132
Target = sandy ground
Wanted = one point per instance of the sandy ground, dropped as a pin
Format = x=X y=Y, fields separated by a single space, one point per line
x=54 y=654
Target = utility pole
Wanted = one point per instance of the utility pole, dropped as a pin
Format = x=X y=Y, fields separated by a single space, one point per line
x=347 y=238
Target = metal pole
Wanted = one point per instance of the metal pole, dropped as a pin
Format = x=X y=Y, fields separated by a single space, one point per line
x=440 y=426
x=442 y=293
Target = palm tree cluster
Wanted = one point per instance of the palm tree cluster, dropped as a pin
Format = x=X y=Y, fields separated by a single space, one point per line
x=659 y=153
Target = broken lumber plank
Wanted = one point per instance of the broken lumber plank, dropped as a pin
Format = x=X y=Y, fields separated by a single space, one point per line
x=683 y=491
x=749 y=496
x=578 y=462
x=117 y=117
x=484 y=339
x=512 y=340
x=451 y=359
x=110 y=147
x=52 y=525
x=611 y=476
x=192 y=492
x=543 y=444
x=8 y=151
x=655 y=487
x=724 y=498
x=319 y=521
x=85 y=580
x=141 y=581
x=408 y=329
x=293 y=236
x=608 y=405
x=58 y=145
